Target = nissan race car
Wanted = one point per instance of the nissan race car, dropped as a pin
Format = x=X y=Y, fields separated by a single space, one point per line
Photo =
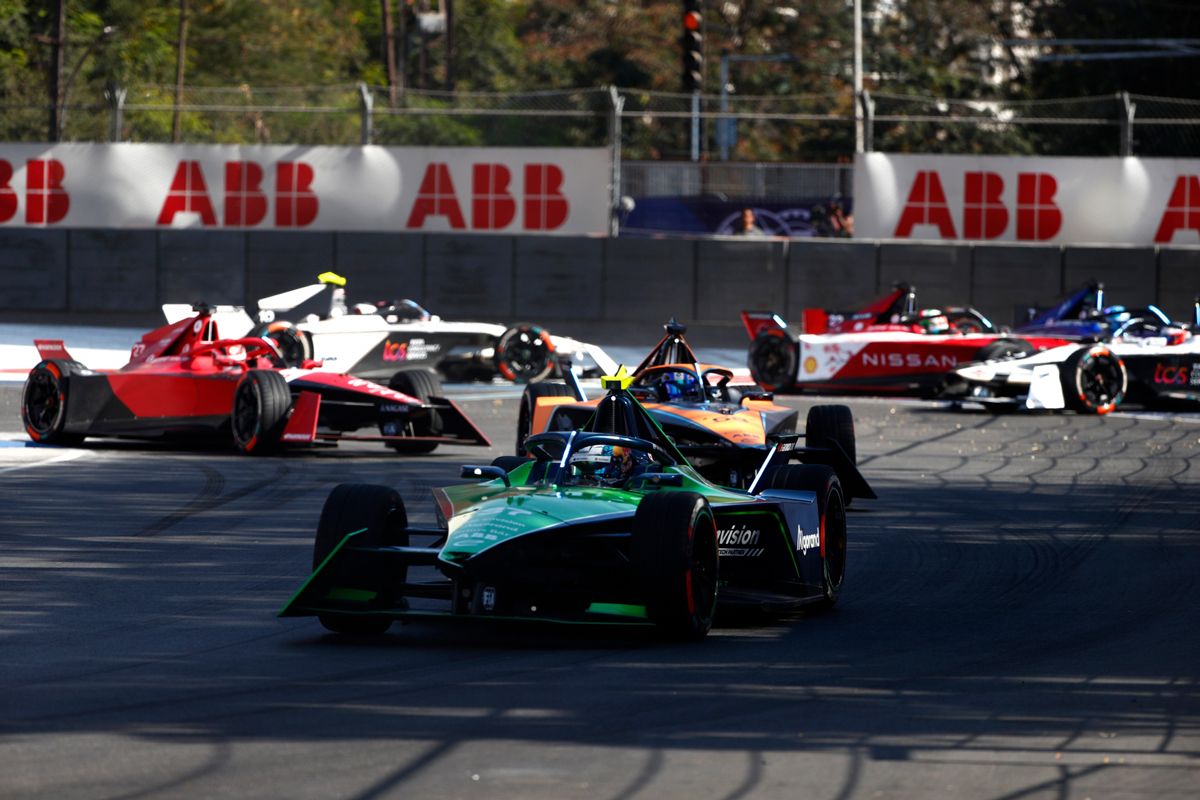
x=375 y=340
x=1147 y=365
x=782 y=359
x=609 y=524
x=184 y=380
x=892 y=346
x=723 y=428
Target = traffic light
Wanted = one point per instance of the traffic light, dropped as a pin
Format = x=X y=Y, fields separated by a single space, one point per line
x=693 y=46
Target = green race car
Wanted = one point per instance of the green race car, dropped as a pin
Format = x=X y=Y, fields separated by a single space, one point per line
x=607 y=524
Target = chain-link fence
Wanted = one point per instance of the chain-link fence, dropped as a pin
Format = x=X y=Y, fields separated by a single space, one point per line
x=649 y=126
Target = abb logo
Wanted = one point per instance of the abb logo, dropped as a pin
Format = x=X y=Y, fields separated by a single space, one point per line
x=1183 y=209
x=985 y=215
x=493 y=206
x=245 y=204
x=281 y=194
x=46 y=201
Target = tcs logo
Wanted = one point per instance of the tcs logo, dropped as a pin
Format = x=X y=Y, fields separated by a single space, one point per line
x=1170 y=376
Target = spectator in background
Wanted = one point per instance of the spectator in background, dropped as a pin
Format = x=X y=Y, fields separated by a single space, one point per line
x=840 y=223
x=748 y=225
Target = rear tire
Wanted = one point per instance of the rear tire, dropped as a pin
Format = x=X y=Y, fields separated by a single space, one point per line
x=1094 y=380
x=674 y=556
x=774 y=360
x=524 y=354
x=831 y=507
x=44 y=403
x=380 y=510
x=422 y=384
x=529 y=402
x=260 y=411
x=832 y=424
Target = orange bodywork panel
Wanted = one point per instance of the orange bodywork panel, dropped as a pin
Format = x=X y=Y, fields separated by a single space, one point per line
x=544 y=408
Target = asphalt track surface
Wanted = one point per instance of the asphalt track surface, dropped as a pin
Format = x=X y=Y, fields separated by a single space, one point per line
x=1020 y=620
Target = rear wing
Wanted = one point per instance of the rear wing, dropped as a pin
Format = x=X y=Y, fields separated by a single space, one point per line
x=52 y=348
x=756 y=322
x=232 y=321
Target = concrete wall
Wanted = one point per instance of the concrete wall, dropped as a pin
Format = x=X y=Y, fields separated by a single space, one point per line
x=570 y=282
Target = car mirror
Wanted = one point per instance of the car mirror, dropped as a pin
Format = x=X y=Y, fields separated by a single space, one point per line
x=485 y=473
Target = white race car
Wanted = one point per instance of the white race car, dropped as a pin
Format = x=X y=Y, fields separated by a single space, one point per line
x=376 y=340
x=1145 y=365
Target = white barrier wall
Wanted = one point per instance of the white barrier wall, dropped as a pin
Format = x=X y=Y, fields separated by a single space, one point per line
x=1131 y=201
x=276 y=187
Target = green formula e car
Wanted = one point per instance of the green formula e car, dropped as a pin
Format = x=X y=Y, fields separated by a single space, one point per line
x=606 y=524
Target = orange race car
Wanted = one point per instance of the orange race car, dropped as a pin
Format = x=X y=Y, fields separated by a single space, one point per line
x=723 y=426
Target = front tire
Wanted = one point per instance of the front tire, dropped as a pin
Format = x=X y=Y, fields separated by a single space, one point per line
x=380 y=511
x=524 y=354
x=260 y=411
x=422 y=384
x=1094 y=380
x=44 y=403
x=674 y=557
x=775 y=359
x=529 y=403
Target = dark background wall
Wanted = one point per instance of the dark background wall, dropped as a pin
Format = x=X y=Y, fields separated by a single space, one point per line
x=573 y=284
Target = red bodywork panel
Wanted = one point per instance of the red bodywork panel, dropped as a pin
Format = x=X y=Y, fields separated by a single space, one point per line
x=183 y=378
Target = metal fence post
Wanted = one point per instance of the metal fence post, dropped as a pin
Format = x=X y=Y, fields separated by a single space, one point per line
x=868 y=113
x=115 y=95
x=1128 y=109
x=366 y=105
x=616 y=106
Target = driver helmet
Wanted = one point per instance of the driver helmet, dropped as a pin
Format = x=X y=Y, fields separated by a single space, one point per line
x=606 y=465
x=932 y=320
x=678 y=384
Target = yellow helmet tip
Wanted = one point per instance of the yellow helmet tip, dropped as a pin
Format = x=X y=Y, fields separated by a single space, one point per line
x=331 y=278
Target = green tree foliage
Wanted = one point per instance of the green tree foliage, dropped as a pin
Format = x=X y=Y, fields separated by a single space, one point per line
x=944 y=61
x=790 y=72
x=1170 y=76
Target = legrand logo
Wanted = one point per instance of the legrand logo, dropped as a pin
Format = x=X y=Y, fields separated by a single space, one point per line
x=808 y=541
x=913 y=360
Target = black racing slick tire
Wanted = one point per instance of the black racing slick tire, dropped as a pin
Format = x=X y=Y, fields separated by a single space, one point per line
x=422 y=384
x=293 y=344
x=1094 y=380
x=529 y=402
x=832 y=424
x=44 y=403
x=774 y=360
x=260 y=411
x=1005 y=349
x=674 y=556
x=524 y=354
x=831 y=509
x=379 y=512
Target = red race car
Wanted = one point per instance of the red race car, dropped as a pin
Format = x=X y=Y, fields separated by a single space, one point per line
x=184 y=380
x=889 y=347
